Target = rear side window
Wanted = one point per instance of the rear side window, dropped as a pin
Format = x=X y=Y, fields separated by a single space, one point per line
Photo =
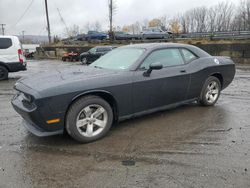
x=5 y=43
x=188 y=56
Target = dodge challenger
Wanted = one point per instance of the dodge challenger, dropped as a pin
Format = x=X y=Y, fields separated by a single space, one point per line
x=130 y=81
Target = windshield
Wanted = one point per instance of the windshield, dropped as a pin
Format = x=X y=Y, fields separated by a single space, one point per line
x=119 y=59
x=92 y=50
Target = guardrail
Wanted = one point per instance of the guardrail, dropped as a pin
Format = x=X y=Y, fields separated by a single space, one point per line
x=216 y=35
x=230 y=35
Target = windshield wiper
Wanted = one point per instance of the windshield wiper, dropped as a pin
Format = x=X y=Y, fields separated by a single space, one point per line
x=98 y=67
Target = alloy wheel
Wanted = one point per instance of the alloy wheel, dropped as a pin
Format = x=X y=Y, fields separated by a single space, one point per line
x=212 y=92
x=92 y=120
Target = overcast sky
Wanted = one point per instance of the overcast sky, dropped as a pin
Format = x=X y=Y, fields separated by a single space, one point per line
x=80 y=12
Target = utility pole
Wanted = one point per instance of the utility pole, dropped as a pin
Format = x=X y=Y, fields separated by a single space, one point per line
x=2 y=25
x=23 y=35
x=47 y=16
x=112 y=10
x=110 y=16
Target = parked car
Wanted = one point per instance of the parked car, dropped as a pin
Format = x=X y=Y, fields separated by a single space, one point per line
x=70 y=57
x=120 y=35
x=95 y=35
x=94 y=53
x=129 y=81
x=154 y=33
x=12 y=58
x=29 y=54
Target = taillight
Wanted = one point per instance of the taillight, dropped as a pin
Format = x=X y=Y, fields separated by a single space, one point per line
x=20 y=55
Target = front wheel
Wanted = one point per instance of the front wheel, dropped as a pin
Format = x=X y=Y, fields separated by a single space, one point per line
x=84 y=61
x=89 y=119
x=210 y=92
x=3 y=73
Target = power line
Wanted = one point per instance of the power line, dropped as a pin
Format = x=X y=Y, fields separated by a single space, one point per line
x=26 y=10
x=62 y=20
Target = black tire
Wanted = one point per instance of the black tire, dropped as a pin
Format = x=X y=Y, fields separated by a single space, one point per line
x=84 y=60
x=4 y=73
x=76 y=109
x=207 y=101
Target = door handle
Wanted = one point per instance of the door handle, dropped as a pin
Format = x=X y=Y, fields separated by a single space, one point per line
x=183 y=71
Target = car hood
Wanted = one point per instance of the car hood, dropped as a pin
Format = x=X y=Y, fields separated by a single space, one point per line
x=58 y=78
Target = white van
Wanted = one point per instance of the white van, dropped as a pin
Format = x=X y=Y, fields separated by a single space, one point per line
x=11 y=56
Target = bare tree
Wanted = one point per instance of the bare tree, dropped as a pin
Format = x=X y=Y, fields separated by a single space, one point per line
x=175 y=26
x=97 y=26
x=197 y=19
x=244 y=14
x=73 y=31
x=211 y=16
x=184 y=21
x=87 y=27
x=224 y=16
x=145 y=23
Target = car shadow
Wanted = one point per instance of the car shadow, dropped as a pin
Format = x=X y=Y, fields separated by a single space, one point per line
x=176 y=124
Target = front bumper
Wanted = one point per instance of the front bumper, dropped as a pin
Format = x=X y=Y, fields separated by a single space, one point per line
x=34 y=118
x=34 y=129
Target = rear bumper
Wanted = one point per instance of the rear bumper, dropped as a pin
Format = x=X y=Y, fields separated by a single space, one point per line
x=16 y=66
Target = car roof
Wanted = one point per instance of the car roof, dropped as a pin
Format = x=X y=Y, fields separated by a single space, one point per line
x=104 y=47
x=8 y=36
x=154 y=46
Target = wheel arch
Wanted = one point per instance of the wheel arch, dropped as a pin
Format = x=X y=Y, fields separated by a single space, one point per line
x=105 y=95
x=220 y=77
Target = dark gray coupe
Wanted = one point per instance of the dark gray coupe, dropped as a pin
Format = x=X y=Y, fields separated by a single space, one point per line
x=129 y=81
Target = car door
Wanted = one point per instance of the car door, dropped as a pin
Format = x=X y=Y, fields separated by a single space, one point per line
x=163 y=87
x=8 y=53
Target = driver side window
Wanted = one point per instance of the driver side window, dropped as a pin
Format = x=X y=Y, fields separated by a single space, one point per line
x=166 y=57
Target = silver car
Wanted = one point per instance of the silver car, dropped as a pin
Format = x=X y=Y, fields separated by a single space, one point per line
x=154 y=33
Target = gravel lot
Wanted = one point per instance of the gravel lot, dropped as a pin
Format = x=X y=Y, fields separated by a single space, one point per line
x=190 y=146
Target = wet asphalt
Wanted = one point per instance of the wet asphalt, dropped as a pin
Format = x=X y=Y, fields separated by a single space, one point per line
x=190 y=146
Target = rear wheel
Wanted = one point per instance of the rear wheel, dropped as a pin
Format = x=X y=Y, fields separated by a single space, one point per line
x=210 y=91
x=3 y=73
x=89 y=119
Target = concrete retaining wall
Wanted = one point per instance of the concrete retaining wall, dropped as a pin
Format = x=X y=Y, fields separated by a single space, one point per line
x=239 y=52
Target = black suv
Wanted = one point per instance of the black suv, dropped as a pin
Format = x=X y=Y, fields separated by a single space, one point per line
x=94 y=53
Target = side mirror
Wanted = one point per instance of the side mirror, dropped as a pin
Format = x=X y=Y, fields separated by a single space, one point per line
x=156 y=66
x=153 y=66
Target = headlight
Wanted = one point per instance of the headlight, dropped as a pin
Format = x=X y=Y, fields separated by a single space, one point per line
x=27 y=98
